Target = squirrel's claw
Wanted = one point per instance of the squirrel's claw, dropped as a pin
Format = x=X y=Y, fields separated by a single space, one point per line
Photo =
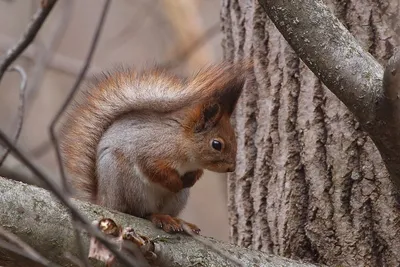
x=192 y=226
x=171 y=224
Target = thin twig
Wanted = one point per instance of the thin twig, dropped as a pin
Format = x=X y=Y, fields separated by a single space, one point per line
x=41 y=149
x=61 y=111
x=15 y=172
x=13 y=243
x=79 y=243
x=74 y=89
x=234 y=261
x=46 y=52
x=21 y=109
x=74 y=259
x=11 y=55
x=210 y=33
x=27 y=37
x=128 y=32
x=65 y=200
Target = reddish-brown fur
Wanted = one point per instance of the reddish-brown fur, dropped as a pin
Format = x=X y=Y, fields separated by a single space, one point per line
x=203 y=103
x=161 y=172
x=85 y=124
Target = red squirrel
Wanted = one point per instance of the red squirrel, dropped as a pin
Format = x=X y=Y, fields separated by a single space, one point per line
x=136 y=142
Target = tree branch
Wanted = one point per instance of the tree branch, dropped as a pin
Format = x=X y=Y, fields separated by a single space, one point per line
x=37 y=218
x=353 y=75
x=75 y=87
x=330 y=51
x=14 y=244
x=21 y=110
x=33 y=28
x=45 y=53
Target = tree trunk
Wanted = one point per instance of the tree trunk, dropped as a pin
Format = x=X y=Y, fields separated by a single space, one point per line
x=309 y=182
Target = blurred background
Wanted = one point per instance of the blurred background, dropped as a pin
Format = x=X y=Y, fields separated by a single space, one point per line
x=181 y=35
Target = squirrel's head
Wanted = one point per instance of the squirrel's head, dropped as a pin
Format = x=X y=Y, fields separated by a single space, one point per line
x=209 y=130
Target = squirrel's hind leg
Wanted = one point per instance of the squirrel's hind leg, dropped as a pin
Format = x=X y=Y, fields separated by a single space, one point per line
x=166 y=217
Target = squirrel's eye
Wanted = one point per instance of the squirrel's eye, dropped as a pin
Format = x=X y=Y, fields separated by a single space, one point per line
x=217 y=145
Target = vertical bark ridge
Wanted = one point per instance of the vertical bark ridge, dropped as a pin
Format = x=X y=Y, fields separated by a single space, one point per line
x=318 y=178
x=246 y=125
x=343 y=155
x=228 y=43
x=228 y=46
x=261 y=239
x=294 y=180
x=340 y=9
x=239 y=26
x=275 y=77
x=384 y=40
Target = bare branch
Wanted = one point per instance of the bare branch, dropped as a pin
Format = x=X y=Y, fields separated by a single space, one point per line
x=209 y=33
x=79 y=244
x=41 y=149
x=13 y=53
x=148 y=10
x=187 y=24
x=13 y=170
x=59 y=62
x=60 y=193
x=74 y=89
x=330 y=51
x=46 y=51
x=28 y=36
x=74 y=259
x=21 y=109
x=54 y=231
x=16 y=245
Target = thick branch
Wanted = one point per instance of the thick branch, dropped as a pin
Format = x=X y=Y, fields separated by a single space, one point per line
x=352 y=74
x=34 y=216
x=330 y=51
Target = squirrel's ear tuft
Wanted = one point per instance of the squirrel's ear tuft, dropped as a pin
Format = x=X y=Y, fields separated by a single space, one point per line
x=210 y=115
x=218 y=88
x=223 y=83
x=229 y=94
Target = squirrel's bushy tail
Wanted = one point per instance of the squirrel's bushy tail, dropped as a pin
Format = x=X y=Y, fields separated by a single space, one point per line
x=120 y=92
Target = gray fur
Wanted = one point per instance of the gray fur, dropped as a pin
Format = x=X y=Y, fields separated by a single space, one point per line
x=122 y=186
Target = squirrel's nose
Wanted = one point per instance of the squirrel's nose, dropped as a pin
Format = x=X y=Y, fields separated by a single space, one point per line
x=231 y=168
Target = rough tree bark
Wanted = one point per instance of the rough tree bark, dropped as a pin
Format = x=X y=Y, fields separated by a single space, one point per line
x=42 y=222
x=309 y=182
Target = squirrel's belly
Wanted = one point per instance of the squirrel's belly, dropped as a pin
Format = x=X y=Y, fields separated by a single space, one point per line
x=156 y=196
x=157 y=200
x=143 y=196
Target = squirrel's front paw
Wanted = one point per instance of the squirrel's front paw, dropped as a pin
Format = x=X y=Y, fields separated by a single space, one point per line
x=190 y=178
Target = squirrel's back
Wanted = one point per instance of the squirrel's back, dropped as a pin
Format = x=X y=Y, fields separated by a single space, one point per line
x=96 y=108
